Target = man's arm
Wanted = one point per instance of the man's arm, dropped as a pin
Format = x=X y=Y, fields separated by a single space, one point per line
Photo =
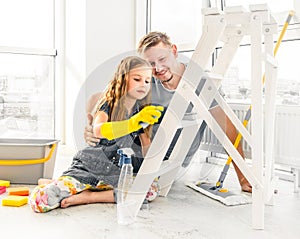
x=92 y=103
x=90 y=110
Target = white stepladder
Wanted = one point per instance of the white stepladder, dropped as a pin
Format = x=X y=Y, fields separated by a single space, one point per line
x=201 y=88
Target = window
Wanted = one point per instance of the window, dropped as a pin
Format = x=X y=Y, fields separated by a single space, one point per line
x=237 y=82
x=27 y=58
x=27 y=23
x=181 y=20
x=274 y=5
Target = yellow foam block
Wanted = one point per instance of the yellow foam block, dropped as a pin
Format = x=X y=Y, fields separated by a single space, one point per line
x=4 y=183
x=19 y=191
x=15 y=201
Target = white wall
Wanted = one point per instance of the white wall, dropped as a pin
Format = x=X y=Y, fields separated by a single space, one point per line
x=96 y=31
x=109 y=31
x=75 y=63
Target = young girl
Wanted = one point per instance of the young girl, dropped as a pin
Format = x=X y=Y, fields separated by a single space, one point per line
x=94 y=170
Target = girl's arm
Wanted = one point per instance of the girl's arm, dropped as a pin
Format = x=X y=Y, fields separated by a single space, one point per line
x=112 y=130
x=100 y=118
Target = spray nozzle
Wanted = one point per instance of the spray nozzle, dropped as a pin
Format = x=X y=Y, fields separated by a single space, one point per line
x=125 y=155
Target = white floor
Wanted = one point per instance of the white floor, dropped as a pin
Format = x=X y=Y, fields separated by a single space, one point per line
x=184 y=213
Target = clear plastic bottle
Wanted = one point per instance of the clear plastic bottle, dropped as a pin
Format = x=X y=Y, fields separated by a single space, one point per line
x=124 y=214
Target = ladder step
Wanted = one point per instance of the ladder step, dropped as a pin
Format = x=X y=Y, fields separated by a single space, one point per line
x=235 y=9
x=214 y=76
x=258 y=7
x=211 y=11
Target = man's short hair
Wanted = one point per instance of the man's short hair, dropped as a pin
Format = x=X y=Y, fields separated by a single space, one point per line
x=152 y=39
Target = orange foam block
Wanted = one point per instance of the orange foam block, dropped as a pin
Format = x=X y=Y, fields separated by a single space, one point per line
x=19 y=191
x=4 y=183
x=2 y=189
x=14 y=201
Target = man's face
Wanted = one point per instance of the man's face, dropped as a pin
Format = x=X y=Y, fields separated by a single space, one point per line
x=163 y=61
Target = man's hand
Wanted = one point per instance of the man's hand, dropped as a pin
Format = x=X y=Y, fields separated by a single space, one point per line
x=89 y=137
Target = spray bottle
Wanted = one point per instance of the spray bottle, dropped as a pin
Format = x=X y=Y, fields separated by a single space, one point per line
x=124 y=214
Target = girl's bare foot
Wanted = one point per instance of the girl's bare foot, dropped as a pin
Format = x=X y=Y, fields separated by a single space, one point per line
x=77 y=199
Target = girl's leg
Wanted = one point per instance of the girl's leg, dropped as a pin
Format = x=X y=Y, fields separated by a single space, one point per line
x=107 y=195
x=87 y=197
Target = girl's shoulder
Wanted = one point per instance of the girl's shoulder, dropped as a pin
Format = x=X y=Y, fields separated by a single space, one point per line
x=105 y=107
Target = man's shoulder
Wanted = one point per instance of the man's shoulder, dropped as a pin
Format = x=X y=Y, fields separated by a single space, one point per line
x=155 y=83
x=154 y=80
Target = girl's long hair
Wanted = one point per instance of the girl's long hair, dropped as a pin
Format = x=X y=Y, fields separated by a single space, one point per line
x=116 y=91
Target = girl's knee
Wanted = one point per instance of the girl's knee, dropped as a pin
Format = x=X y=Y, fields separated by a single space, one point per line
x=38 y=199
x=46 y=197
x=42 y=181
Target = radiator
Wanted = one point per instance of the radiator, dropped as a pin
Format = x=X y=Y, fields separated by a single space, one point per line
x=287 y=135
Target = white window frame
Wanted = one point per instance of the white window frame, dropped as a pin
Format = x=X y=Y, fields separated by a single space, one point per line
x=57 y=53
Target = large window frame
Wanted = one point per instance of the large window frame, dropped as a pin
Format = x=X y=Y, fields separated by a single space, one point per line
x=55 y=67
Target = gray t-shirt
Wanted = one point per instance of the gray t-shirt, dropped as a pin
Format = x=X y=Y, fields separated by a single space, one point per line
x=162 y=96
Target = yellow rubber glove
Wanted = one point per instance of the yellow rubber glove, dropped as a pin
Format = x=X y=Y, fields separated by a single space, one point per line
x=149 y=115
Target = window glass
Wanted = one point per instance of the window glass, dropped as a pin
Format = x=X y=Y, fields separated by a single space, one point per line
x=181 y=20
x=274 y=5
x=237 y=82
x=27 y=23
x=281 y=6
x=26 y=96
x=27 y=69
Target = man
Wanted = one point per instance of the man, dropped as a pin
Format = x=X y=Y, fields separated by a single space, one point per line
x=157 y=48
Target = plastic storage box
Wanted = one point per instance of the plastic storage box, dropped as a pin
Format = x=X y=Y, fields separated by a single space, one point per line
x=24 y=161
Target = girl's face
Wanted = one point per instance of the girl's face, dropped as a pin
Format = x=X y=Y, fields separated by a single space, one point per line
x=138 y=84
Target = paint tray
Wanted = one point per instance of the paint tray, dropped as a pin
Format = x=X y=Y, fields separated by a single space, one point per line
x=24 y=161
